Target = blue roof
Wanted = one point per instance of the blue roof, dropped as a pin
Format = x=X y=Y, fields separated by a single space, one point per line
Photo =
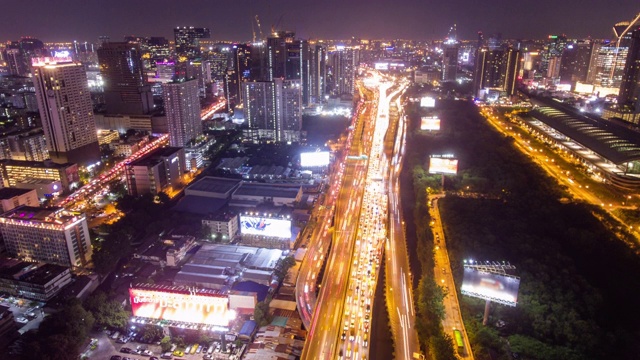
x=248 y=328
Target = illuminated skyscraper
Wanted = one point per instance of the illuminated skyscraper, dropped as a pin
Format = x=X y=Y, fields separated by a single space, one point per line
x=66 y=110
x=551 y=55
x=182 y=108
x=188 y=40
x=497 y=69
x=629 y=98
x=125 y=83
x=450 y=49
x=576 y=61
x=344 y=63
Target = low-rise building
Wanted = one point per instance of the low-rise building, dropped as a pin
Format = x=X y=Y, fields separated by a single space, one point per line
x=14 y=172
x=156 y=171
x=35 y=281
x=107 y=136
x=11 y=198
x=223 y=224
x=251 y=195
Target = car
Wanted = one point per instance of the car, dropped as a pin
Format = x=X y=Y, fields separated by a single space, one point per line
x=154 y=358
x=116 y=357
x=146 y=352
x=126 y=350
x=22 y=320
x=199 y=349
x=344 y=335
x=207 y=357
x=178 y=353
x=167 y=355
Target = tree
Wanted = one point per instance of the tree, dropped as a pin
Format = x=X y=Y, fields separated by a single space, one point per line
x=151 y=333
x=261 y=314
x=107 y=313
x=165 y=344
x=283 y=267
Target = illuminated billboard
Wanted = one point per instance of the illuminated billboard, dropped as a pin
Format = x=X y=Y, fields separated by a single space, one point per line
x=498 y=288
x=253 y=225
x=428 y=101
x=183 y=307
x=439 y=165
x=381 y=66
x=430 y=123
x=313 y=159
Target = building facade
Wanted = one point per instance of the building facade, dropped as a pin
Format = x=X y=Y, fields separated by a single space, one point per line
x=156 y=171
x=66 y=110
x=182 y=108
x=53 y=236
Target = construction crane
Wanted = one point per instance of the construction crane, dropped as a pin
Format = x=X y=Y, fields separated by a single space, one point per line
x=259 y=29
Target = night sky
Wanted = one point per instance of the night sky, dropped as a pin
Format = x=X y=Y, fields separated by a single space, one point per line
x=85 y=20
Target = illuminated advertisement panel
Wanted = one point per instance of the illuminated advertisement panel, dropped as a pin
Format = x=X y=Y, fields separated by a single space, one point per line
x=198 y=308
x=443 y=166
x=428 y=101
x=313 y=159
x=381 y=66
x=430 y=123
x=489 y=286
x=253 y=225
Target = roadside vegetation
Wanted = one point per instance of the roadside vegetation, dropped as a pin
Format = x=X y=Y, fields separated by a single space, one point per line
x=577 y=278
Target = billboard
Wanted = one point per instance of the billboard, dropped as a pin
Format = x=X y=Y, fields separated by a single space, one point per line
x=313 y=159
x=498 y=288
x=253 y=225
x=439 y=165
x=428 y=101
x=430 y=123
x=381 y=66
x=174 y=306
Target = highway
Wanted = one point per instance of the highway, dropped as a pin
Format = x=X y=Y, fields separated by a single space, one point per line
x=400 y=304
x=342 y=316
x=443 y=276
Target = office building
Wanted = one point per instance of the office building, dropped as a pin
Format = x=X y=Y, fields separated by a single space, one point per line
x=551 y=54
x=16 y=172
x=156 y=171
x=53 y=236
x=11 y=198
x=187 y=41
x=66 y=110
x=576 y=61
x=497 y=70
x=182 y=108
x=125 y=83
x=36 y=281
x=629 y=97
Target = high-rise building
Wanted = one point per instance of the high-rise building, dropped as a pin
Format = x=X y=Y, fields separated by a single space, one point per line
x=317 y=73
x=51 y=235
x=125 y=83
x=450 y=49
x=182 y=108
x=344 y=63
x=273 y=109
x=66 y=110
x=629 y=97
x=188 y=40
x=576 y=61
x=607 y=64
x=497 y=69
x=158 y=49
x=551 y=54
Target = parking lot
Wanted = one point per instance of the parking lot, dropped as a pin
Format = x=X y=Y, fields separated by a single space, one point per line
x=27 y=313
x=109 y=348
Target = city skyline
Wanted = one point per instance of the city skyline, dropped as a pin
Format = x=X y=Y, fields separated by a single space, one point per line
x=408 y=19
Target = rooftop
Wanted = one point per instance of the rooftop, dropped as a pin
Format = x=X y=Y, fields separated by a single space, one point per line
x=35 y=164
x=55 y=216
x=214 y=184
x=29 y=272
x=8 y=193
x=247 y=189
x=156 y=156
x=612 y=141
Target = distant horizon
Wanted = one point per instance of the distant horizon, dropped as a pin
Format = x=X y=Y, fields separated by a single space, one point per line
x=418 y=20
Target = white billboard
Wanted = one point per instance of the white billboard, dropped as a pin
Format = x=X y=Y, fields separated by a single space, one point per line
x=428 y=101
x=242 y=300
x=314 y=159
x=381 y=66
x=438 y=165
x=262 y=226
x=430 y=123
x=489 y=286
